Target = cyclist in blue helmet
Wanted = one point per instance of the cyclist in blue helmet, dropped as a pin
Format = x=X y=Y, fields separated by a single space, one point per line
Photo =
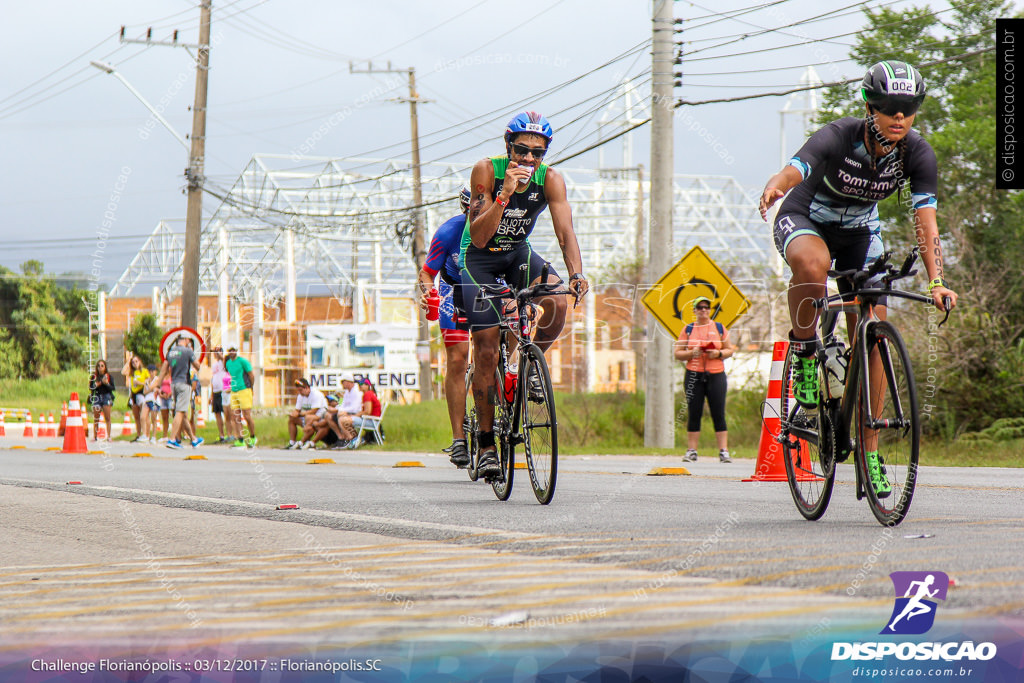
x=443 y=259
x=831 y=188
x=509 y=194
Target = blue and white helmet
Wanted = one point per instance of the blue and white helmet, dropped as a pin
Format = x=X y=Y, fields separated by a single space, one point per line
x=464 y=197
x=528 y=122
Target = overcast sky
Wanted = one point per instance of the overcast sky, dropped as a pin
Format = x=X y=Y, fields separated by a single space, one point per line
x=279 y=70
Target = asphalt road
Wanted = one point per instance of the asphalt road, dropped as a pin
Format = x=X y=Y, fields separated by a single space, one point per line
x=161 y=548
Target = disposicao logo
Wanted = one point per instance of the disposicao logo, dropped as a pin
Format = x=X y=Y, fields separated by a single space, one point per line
x=916 y=593
x=914 y=614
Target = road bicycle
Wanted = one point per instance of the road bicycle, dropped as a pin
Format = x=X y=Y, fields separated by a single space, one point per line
x=867 y=401
x=524 y=411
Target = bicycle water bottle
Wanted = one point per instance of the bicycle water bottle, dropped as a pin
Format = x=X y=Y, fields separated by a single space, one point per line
x=835 y=369
x=433 y=304
x=511 y=377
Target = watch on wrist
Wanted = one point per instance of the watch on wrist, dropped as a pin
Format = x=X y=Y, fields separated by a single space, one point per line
x=576 y=276
x=937 y=282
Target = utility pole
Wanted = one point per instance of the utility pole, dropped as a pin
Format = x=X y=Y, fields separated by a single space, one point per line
x=196 y=176
x=659 y=429
x=639 y=336
x=195 y=173
x=419 y=238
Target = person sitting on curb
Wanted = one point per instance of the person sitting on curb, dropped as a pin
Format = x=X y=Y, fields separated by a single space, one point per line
x=310 y=405
x=325 y=428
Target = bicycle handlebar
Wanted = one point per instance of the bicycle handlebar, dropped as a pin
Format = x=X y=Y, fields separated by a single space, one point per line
x=542 y=288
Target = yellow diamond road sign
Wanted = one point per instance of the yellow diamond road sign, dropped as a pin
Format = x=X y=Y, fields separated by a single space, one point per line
x=671 y=299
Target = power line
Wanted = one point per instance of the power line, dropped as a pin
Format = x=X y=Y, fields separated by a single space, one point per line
x=806 y=42
x=460 y=14
x=828 y=85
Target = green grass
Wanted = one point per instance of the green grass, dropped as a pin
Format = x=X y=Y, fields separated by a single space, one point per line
x=588 y=424
x=46 y=394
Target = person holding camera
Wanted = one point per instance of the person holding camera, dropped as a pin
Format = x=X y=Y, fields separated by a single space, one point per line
x=135 y=378
x=101 y=397
x=704 y=344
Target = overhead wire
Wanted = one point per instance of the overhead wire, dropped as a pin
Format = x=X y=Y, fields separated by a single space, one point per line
x=785 y=47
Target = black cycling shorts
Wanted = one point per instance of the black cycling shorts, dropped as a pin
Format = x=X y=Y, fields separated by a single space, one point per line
x=849 y=249
x=518 y=267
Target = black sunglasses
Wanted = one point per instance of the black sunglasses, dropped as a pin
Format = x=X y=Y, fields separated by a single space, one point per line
x=893 y=107
x=703 y=308
x=523 y=150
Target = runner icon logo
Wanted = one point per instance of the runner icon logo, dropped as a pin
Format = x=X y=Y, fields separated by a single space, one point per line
x=916 y=593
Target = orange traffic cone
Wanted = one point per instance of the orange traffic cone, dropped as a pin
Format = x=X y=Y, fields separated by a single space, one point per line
x=51 y=427
x=3 y=430
x=200 y=419
x=63 y=419
x=127 y=427
x=28 y=425
x=770 y=464
x=74 y=433
x=101 y=426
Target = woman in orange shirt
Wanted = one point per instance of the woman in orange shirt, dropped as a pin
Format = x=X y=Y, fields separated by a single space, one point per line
x=703 y=345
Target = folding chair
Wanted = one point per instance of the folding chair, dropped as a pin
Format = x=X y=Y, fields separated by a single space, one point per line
x=372 y=424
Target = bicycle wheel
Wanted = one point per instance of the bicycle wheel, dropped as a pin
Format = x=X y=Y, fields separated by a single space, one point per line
x=894 y=429
x=808 y=448
x=470 y=428
x=540 y=428
x=502 y=432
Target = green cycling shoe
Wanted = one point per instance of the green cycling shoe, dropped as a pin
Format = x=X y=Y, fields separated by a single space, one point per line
x=805 y=381
x=876 y=472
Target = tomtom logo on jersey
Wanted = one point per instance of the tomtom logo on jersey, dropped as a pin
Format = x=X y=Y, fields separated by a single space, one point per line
x=947 y=652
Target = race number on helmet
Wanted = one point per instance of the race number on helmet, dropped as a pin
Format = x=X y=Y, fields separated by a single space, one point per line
x=889 y=82
x=528 y=122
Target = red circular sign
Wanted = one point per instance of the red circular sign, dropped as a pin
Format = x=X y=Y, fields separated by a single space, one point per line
x=171 y=338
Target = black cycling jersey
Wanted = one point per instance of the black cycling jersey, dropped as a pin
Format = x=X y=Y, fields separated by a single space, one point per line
x=839 y=187
x=520 y=215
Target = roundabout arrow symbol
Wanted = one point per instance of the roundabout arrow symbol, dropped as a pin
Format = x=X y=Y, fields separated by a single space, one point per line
x=676 y=313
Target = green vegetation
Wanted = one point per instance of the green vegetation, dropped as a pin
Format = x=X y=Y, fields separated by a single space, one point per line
x=588 y=424
x=143 y=339
x=43 y=326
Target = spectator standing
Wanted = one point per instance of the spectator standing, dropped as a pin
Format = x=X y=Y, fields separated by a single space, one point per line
x=242 y=380
x=217 y=393
x=310 y=405
x=135 y=378
x=101 y=396
x=704 y=344
x=165 y=401
x=178 y=365
x=150 y=408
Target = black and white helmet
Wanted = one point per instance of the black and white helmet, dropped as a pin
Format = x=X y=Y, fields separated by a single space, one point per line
x=893 y=86
x=464 y=197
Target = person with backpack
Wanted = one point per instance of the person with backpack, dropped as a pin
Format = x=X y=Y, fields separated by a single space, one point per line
x=704 y=344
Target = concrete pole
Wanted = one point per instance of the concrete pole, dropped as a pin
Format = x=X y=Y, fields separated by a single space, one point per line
x=222 y=287
x=196 y=177
x=289 y=275
x=419 y=242
x=659 y=428
x=257 y=346
x=101 y=321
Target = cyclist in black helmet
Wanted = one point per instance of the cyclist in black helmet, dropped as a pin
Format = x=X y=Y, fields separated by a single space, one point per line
x=509 y=194
x=837 y=179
